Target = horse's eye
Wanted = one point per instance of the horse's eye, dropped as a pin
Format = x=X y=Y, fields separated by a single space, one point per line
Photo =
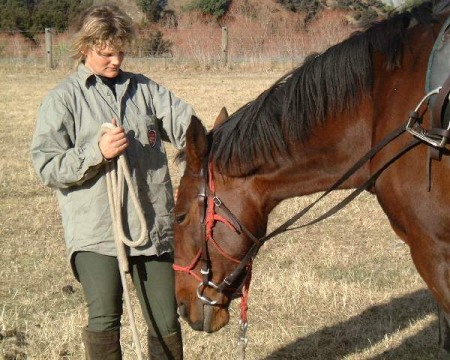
x=180 y=218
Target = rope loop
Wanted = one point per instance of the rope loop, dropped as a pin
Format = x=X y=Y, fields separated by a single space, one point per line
x=117 y=175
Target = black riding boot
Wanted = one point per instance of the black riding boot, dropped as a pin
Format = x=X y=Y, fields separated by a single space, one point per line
x=102 y=345
x=165 y=348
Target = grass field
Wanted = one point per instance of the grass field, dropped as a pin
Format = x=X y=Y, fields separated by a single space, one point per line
x=343 y=289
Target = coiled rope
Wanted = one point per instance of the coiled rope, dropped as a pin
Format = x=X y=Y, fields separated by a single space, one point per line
x=117 y=174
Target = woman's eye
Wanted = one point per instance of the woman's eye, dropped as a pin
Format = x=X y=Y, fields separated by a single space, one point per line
x=180 y=218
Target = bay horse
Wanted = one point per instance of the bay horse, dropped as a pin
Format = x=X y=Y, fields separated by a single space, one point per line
x=299 y=137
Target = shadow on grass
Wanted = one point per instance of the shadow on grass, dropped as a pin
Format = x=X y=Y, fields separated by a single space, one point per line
x=369 y=328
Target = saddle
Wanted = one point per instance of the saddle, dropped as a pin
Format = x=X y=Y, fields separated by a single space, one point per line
x=437 y=89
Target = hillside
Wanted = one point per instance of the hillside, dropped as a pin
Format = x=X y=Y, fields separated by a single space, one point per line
x=259 y=31
x=358 y=10
x=30 y=18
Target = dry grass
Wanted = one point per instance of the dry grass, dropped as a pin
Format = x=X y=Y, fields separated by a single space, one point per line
x=343 y=289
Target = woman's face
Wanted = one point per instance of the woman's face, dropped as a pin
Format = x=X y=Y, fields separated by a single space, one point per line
x=104 y=62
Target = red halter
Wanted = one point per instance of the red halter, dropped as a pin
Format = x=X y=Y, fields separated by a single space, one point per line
x=209 y=222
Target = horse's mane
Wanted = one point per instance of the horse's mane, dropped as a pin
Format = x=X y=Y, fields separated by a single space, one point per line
x=326 y=83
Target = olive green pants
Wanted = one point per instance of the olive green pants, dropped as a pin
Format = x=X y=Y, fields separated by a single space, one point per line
x=153 y=279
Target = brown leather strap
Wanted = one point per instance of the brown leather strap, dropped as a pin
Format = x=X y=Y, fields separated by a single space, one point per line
x=368 y=156
x=204 y=259
x=437 y=115
x=445 y=133
x=438 y=111
x=440 y=104
x=286 y=226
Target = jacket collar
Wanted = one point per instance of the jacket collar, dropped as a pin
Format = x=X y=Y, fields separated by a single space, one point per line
x=87 y=76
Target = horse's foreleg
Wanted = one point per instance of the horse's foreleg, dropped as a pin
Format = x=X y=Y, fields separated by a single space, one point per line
x=433 y=264
x=437 y=280
x=444 y=335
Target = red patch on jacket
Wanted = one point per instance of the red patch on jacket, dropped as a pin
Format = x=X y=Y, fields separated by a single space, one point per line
x=151 y=137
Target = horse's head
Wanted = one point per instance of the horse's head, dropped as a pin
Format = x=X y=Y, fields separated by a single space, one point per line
x=216 y=226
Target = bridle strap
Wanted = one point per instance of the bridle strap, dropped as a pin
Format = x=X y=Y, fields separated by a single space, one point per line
x=215 y=201
x=286 y=226
x=368 y=156
x=204 y=254
x=208 y=193
x=238 y=226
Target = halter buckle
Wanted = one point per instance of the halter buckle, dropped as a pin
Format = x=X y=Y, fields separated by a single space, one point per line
x=203 y=298
x=217 y=201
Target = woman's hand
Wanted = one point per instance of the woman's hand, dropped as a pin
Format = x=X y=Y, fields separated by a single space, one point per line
x=112 y=143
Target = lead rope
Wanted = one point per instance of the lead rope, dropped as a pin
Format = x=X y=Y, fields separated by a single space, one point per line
x=243 y=321
x=116 y=172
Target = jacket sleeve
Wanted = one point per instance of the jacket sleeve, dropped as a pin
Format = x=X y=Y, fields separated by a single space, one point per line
x=57 y=159
x=174 y=115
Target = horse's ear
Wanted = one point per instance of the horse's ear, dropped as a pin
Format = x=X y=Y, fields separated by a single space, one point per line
x=196 y=145
x=222 y=117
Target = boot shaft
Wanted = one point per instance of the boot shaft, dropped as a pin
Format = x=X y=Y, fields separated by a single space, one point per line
x=102 y=345
x=166 y=347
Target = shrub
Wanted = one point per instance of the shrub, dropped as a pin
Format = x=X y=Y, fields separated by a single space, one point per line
x=216 y=8
x=153 y=9
x=151 y=43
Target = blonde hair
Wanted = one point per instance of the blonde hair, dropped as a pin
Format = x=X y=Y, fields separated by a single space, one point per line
x=102 y=26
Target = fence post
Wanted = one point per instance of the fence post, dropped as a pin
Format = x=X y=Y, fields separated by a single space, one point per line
x=48 y=47
x=225 y=45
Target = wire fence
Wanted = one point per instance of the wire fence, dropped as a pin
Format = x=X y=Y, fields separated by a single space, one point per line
x=199 y=45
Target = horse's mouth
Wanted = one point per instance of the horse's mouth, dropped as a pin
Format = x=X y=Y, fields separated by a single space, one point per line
x=213 y=318
x=208 y=312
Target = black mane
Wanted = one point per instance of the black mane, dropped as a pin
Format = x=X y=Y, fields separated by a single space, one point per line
x=326 y=83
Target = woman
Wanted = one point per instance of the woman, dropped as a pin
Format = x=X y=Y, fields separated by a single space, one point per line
x=69 y=152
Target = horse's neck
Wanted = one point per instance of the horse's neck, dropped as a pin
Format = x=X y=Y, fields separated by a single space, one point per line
x=316 y=165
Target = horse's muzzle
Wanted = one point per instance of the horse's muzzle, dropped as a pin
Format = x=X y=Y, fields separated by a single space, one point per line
x=210 y=318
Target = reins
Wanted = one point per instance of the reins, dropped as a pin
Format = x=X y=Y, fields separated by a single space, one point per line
x=117 y=174
x=208 y=202
x=257 y=243
x=208 y=217
x=437 y=139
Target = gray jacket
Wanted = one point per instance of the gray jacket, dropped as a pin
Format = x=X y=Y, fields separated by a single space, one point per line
x=66 y=157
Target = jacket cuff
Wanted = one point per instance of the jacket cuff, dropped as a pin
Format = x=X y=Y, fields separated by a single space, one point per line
x=93 y=155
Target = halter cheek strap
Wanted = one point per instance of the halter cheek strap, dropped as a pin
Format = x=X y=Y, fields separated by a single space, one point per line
x=208 y=219
x=211 y=218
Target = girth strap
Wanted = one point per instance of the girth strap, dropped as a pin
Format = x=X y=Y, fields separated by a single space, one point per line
x=437 y=118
